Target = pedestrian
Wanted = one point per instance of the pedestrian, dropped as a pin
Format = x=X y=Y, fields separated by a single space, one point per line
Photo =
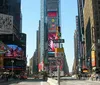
x=97 y=77
x=6 y=77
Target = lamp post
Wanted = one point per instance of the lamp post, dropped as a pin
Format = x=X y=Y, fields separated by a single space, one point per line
x=12 y=61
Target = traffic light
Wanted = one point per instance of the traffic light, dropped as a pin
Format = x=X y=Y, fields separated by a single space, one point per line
x=58 y=29
x=58 y=32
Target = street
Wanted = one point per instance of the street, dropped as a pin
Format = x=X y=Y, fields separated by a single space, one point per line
x=29 y=81
x=64 y=81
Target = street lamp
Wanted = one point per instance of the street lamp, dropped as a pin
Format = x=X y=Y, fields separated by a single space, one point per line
x=12 y=61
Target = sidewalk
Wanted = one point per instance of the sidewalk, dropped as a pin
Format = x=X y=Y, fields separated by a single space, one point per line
x=45 y=83
x=94 y=81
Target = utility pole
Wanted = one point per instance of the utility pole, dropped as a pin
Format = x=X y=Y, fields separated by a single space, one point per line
x=12 y=61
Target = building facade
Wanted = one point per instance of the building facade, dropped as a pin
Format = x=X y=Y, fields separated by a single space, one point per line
x=49 y=22
x=50 y=29
x=12 y=7
x=92 y=33
x=15 y=40
x=80 y=29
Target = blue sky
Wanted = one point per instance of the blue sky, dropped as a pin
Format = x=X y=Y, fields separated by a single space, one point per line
x=31 y=16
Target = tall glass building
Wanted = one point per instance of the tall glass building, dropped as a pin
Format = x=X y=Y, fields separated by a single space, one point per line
x=50 y=20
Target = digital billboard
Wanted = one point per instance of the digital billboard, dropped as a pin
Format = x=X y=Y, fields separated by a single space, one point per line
x=52 y=14
x=52 y=21
x=52 y=5
x=93 y=57
x=14 y=51
x=51 y=45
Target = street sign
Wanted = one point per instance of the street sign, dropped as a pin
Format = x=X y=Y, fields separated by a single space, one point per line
x=59 y=41
x=59 y=50
x=59 y=54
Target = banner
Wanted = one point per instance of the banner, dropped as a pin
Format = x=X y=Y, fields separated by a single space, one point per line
x=93 y=58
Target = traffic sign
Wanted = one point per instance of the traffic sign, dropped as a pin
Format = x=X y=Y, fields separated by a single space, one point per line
x=59 y=54
x=59 y=50
x=59 y=41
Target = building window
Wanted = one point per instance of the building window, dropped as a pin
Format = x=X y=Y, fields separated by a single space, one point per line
x=98 y=35
x=97 y=28
x=98 y=40
x=99 y=54
x=98 y=2
x=98 y=47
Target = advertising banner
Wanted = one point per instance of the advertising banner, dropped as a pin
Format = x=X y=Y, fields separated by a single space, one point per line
x=6 y=24
x=1 y=61
x=52 y=5
x=52 y=19
x=93 y=58
x=52 y=24
x=14 y=51
x=51 y=45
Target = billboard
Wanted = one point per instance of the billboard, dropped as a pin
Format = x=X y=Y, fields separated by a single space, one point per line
x=52 y=21
x=52 y=14
x=93 y=58
x=6 y=24
x=1 y=61
x=51 y=44
x=53 y=64
x=52 y=5
x=14 y=51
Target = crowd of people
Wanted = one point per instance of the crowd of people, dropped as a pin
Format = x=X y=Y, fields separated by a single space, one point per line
x=92 y=77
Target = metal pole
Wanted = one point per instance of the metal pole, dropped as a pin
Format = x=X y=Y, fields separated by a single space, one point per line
x=58 y=74
x=12 y=67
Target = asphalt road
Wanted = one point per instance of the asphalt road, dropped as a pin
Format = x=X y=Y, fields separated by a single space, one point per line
x=29 y=81
x=64 y=81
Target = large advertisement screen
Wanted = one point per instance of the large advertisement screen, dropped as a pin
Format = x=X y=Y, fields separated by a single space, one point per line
x=52 y=21
x=52 y=5
x=93 y=57
x=14 y=51
x=52 y=14
x=51 y=45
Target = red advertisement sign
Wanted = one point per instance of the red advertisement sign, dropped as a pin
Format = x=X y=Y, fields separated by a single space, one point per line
x=51 y=44
x=52 y=14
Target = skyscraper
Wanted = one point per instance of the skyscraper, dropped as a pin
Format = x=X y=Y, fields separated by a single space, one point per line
x=14 y=40
x=80 y=30
x=12 y=7
x=50 y=20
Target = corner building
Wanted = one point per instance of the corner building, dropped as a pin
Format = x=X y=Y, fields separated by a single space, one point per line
x=14 y=41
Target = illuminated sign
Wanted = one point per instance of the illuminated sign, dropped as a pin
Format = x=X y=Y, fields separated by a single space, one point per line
x=93 y=57
x=52 y=14
x=52 y=30
x=53 y=20
x=14 y=51
x=51 y=44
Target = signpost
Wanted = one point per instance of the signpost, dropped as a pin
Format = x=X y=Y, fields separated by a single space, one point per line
x=59 y=53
